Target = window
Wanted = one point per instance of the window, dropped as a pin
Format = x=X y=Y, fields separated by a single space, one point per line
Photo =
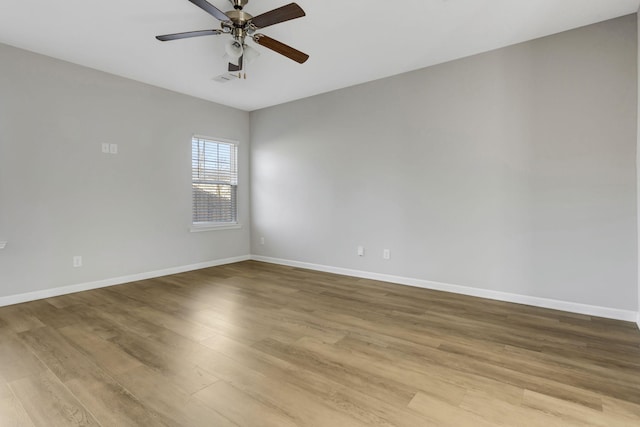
x=214 y=182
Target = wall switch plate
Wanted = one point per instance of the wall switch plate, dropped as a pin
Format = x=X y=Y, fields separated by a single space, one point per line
x=386 y=254
x=105 y=148
x=262 y=240
x=360 y=250
x=3 y=245
x=77 y=261
x=113 y=148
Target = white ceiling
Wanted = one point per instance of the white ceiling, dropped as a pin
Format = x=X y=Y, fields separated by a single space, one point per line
x=350 y=41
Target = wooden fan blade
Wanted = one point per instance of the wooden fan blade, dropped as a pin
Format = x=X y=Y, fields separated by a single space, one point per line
x=281 y=14
x=188 y=34
x=281 y=48
x=233 y=67
x=210 y=9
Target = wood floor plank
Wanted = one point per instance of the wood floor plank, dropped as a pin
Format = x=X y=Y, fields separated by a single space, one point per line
x=177 y=369
x=380 y=327
x=430 y=385
x=113 y=405
x=444 y=414
x=103 y=353
x=552 y=372
x=618 y=408
x=427 y=359
x=243 y=409
x=227 y=325
x=350 y=376
x=65 y=361
x=49 y=403
x=16 y=359
x=292 y=402
x=396 y=353
x=186 y=328
x=12 y=413
x=350 y=407
x=572 y=413
x=50 y=315
x=19 y=319
x=173 y=403
x=503 y=413
x=82 y=375
x=260 y=344
x=162 y=300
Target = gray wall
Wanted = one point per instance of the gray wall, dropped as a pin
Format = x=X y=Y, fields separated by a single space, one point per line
x=127 y=213
x=512 y=170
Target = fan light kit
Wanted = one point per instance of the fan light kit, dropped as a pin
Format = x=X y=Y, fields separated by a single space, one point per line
x=240 y=25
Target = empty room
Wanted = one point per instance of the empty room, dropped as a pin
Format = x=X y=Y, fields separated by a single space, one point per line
x=338 y=213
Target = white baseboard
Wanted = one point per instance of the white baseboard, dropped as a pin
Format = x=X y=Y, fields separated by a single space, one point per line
x=590 y=310
x=64 y=290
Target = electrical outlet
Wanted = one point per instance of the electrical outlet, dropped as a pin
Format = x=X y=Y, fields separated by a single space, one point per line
x=386 y=254
x=360 y=250
x=77 y=261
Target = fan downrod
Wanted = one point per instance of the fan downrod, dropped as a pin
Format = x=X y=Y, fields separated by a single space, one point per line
x=238 y=4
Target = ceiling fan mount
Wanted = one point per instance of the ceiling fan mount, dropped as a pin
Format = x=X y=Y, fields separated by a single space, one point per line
x=238 y=4
x=240 y=25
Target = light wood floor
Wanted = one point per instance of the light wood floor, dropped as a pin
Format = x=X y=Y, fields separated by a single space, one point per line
x=253 y=344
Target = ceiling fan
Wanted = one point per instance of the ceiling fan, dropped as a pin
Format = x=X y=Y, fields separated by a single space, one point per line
x=240 y=25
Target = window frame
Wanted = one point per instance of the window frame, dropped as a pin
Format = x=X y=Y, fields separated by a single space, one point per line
x=216 y=225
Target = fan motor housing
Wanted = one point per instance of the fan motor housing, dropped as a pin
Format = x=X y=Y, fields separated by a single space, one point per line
x=238 y=17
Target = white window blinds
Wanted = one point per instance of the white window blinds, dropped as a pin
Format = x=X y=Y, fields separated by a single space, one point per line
x=214 y=181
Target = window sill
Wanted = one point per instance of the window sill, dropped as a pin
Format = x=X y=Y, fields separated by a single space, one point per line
x=202 y=228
